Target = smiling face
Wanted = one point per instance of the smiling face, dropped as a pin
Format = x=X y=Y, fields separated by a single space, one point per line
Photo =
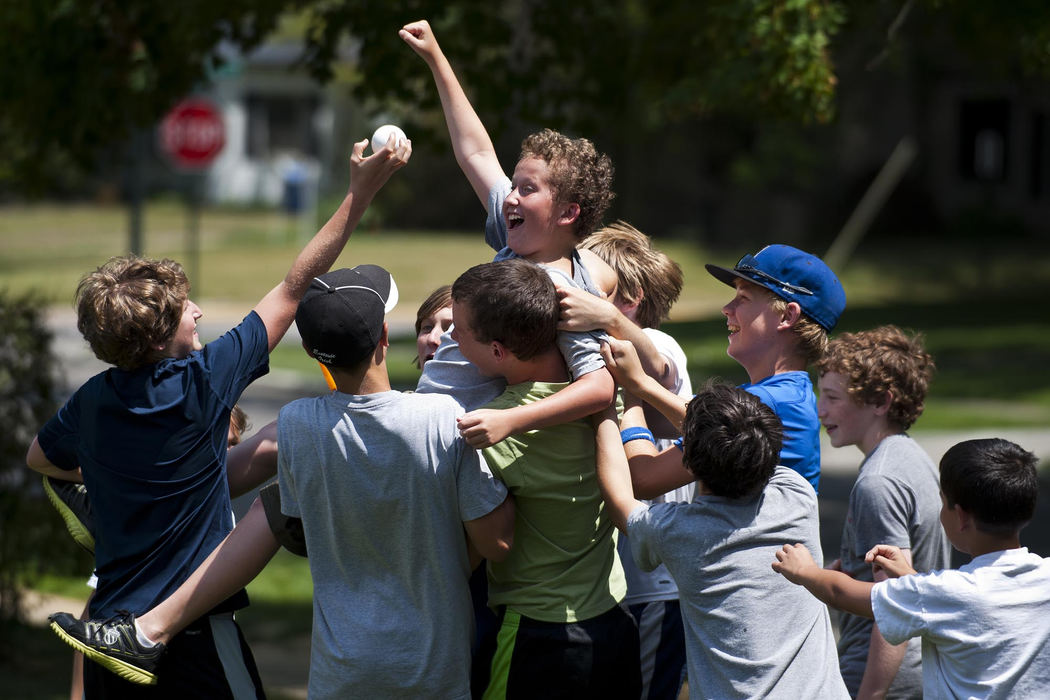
x=530 y=211
x=478 y=352
x=430 y=330
x=846 y=421
x=185 y=339
x=752 y=324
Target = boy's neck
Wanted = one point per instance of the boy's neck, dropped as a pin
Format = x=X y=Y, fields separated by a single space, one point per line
x=982 y=543
x=373 y=380
x=548 y=366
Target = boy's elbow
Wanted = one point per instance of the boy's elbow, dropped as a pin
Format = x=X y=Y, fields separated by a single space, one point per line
x=500 y=547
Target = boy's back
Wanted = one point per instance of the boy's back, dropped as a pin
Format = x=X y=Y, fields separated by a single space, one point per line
x=397 y=459
x=745 y=638
x=985 y=627
x=162 y=428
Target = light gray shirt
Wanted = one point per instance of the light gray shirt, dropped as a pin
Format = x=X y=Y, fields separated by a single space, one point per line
x=383 y=484
x=749 y=632
x=896 y=500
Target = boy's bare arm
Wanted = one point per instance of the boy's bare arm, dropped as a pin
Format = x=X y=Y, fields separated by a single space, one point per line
x=583 y=311
x=253 y=461
x=653 y=472
x=367 y=176
x=623 y=361
x=493 y=534
x=470 y=141
x=38 y=462
x=831 y=587
x=889 y=560
x=614 y=476
x=884 y=659
x=587 y=395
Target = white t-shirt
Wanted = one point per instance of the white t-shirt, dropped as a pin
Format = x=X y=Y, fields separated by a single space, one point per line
x=985 y=627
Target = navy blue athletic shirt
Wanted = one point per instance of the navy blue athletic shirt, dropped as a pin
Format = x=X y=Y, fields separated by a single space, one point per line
x=152 y=447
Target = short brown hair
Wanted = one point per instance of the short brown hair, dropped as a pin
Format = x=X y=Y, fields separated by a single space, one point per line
x=438 y=299
x=880 y=360
x=129 y=306
x=578 y=174
x=513 y=301
x=645 y=276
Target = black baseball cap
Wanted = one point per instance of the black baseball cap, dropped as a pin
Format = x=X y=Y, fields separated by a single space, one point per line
x=340 y=318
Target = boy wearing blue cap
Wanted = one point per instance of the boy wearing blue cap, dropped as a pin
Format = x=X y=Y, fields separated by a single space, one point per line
x=785 y=304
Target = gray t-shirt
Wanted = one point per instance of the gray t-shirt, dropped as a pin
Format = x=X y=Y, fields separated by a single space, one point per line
x=448 y=372
x=383 y=484
x=896 y=500
x=749 y=632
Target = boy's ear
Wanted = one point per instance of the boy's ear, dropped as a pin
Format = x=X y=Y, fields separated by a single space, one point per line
x=883 y=406
x=963 y=518
x=791 y=316
x=499 y=351
x=568 y=213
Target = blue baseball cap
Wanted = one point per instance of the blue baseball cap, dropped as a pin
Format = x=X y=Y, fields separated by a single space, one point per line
x=793 y=275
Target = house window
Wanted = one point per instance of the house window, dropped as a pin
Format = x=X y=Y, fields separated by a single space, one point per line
x=984 y=140
x=281 y=124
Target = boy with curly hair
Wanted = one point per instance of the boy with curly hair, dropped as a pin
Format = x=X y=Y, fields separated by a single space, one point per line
x=148 y=437
x=557 y=195
x=872 y=387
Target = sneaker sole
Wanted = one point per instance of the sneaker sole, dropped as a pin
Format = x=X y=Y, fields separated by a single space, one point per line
x=124 y=669
x=81 y=535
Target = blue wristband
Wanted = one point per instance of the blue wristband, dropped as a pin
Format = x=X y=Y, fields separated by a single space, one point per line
x=636 y=433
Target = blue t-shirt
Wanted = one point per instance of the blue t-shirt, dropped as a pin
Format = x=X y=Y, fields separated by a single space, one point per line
x=790 y=395
x=151 y=444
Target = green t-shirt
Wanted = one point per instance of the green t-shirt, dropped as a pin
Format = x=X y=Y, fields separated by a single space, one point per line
x=563 y=566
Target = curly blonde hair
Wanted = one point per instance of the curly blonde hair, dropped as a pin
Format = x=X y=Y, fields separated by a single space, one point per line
x=129 y=306
x=881 y=360
x=578 y=174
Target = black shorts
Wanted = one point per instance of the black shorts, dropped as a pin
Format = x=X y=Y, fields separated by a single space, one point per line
x=594 y=658
x=208 y=659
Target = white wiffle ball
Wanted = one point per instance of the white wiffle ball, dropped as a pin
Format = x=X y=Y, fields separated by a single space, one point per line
x=382 y=135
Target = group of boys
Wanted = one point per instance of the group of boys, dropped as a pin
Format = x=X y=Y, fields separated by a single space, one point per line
x=496 y=456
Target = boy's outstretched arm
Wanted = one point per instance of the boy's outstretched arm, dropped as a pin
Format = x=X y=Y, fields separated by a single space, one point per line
x=623 y=361
x=587 y=395
x=583 y=311
x=831 y=587
x=470 y=141
x=652 y=472
x=614 y=476
x=367 y=176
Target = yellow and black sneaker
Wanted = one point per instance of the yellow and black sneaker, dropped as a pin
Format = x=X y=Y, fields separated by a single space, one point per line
x=71 y=501
x=111 y=643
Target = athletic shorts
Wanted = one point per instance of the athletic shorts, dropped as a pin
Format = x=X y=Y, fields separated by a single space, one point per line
x=208 y=659
x=661 y=637
x=594 y=658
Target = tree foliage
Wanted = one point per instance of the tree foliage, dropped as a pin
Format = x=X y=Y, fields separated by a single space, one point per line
x=79 y=75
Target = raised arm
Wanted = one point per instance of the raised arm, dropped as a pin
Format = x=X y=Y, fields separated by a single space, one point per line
x=367 y=176
x=623 y=361
x=583 y=311
x=653 y=472
x=470 y=141
x=614 y=476
x=831 y=587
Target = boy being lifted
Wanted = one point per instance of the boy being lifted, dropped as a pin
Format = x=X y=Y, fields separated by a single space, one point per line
x=558 y=194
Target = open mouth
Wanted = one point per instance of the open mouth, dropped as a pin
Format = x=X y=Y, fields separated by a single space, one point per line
x=733 y=329
x=514 y=221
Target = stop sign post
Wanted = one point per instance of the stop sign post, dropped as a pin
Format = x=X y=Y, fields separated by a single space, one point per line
x=192 y=134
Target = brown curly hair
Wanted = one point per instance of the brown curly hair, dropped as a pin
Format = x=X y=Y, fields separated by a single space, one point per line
x=578 y=174
x=129 y=306
x=884 y=359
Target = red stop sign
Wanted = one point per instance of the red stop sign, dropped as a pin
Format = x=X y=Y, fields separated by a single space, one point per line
x=193 y=133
